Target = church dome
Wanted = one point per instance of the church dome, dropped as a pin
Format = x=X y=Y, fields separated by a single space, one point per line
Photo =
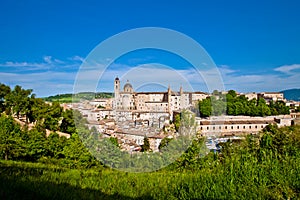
x=128 y=87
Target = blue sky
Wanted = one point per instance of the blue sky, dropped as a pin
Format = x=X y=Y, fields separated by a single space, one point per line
x=255 y=44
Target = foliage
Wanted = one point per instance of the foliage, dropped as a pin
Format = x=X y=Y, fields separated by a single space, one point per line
x=17 y=101
x=266 y=166
x=233 y=104
x=4 y=90
x=249 y=169
x=177 y=121
x=146 y=145
x=68 y=124
x=164 y=142
x=114 y=141
x=69 y=98
x=11 y=146
x=76 y=154
x=205 y=107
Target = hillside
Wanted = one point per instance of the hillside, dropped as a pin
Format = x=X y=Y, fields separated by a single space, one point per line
x=68 y=98
x=292 y=94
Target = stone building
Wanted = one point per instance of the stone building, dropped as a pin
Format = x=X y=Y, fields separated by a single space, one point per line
x=271 y=96
x=153 y=102
x=239 y=125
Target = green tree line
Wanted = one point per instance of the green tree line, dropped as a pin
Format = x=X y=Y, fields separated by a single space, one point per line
x=233 y=104
x=31 y=144
x=21 y=103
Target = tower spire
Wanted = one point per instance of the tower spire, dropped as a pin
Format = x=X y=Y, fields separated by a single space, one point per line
x=181 y=90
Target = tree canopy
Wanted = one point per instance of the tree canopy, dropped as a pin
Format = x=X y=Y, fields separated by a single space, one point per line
x=233 y=104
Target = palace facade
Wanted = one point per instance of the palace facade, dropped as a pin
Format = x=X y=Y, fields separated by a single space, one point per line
x=127 y=99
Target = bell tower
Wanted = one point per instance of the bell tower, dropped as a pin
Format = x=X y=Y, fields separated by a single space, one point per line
x=117 y=88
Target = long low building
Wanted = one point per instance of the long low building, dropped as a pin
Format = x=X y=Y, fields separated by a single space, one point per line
x=239 y=125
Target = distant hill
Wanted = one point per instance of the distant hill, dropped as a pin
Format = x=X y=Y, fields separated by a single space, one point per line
x=292 y=94
x=68 y=98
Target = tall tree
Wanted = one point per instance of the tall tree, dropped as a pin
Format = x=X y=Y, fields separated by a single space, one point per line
x=262 y=107
x=11 y=144
x=53 y=117
x=205 y=107
x=146 y=145
x=35 y=143
x=17 y=100
x=68 y=124
x=77 y=154
x=4 y=91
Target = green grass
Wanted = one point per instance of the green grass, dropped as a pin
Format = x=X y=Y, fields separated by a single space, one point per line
x=232 y=180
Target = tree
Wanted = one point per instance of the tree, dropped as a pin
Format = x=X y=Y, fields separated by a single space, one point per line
x=53 y=116
x=114 y=141
x=177 y=122
x=17 y=101
x=191 y=156
x=11 y=144
x=35 y=143
x=231 y=93
x=68 y=124
x=4 y=91
x=55 y=146
x=262 y=108
x=218 y=107
x=273 y=108
x=146 y=145
x=281 y=108
x=164 y=143
x=253 y=110
x=76 y=153
x=205 y=107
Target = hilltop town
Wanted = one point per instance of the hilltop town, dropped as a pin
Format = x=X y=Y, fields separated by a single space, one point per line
x=132 y=116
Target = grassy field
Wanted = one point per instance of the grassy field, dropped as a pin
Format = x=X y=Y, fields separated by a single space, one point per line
x=273 y=180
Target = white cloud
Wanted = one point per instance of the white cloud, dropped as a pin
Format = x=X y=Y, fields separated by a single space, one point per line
x=49 y=63
x=262 y=82
x=225 y=69
x=47 y=59
x=43 y=84
x=55 y=76
x=22 y=64
x=287 y=69
x=77 y=58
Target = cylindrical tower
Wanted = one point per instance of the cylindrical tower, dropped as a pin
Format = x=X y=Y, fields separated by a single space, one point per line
x=117 y=88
